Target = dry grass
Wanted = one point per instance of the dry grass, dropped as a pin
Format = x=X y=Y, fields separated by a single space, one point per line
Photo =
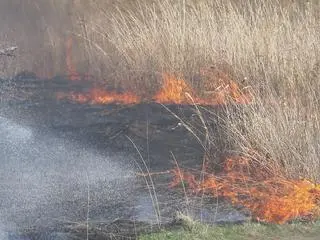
x=270 y=47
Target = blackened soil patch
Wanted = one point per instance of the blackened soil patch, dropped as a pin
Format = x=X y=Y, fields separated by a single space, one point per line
x=116 y=209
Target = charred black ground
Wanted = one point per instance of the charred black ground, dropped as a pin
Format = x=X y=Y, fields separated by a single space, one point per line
x=117 y=207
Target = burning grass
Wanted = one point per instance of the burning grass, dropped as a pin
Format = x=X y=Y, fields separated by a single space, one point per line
x=174 y=91
x=270 y=46
x=268 y=195
x=100 y=96
x=272 y=49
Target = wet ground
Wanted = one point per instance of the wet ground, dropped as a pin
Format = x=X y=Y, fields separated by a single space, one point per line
x=72 y=170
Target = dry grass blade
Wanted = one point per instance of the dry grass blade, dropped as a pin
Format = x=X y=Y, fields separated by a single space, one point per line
x=149 y=182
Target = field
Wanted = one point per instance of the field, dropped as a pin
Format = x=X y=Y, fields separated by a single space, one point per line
x=245 y=232
x=259 y=61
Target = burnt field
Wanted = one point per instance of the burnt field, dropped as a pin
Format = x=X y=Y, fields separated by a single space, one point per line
x=34 y=102
x=69 y=167
x=122 y=114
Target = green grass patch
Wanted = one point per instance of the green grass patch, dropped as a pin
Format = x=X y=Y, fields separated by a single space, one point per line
x=296 y=231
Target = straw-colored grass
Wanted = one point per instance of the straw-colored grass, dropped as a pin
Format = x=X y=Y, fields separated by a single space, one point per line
x=269 y=47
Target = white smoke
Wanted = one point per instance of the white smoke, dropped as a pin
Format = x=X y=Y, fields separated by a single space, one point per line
x=44 y=178
x=3 y=234
x=14 y=133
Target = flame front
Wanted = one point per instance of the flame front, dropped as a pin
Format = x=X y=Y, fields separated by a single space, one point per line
x=269 y=197
x=266 y=193
x=177 y=91
x=173 y=91
x=99 y=96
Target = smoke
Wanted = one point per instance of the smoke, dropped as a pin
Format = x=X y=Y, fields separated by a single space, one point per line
x=39 y=29
x=13 y=133
x=3 y=235
x=45 y=180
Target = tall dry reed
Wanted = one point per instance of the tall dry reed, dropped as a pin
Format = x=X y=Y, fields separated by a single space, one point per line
x=270 y=47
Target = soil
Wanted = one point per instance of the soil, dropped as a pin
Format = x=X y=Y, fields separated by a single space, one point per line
x=149 y=136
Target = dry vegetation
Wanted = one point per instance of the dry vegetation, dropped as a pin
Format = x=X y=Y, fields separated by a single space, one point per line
x=269 y=47
x=247 y=231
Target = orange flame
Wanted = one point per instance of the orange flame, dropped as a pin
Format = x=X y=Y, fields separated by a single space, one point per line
x=174 y=91
x=221 y=87
x=269 y=197
x=99 y=96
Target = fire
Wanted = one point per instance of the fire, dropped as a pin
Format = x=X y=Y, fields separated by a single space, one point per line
x=174 y=91
x=270 y=197
x=220 y=87
x=100 y=96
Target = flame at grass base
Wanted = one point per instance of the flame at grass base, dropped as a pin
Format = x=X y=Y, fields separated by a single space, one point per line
x=270 y=197
x=100 y=96
x=174 y=91
x=177 y=91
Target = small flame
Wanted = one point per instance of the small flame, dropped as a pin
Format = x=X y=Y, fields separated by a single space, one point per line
x=173 y=91
x=269 y=197
x=176 y=91
x=220 y=87
x=100 y=96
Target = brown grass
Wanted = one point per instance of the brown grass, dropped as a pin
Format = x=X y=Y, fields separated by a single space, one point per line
x=269 y=47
